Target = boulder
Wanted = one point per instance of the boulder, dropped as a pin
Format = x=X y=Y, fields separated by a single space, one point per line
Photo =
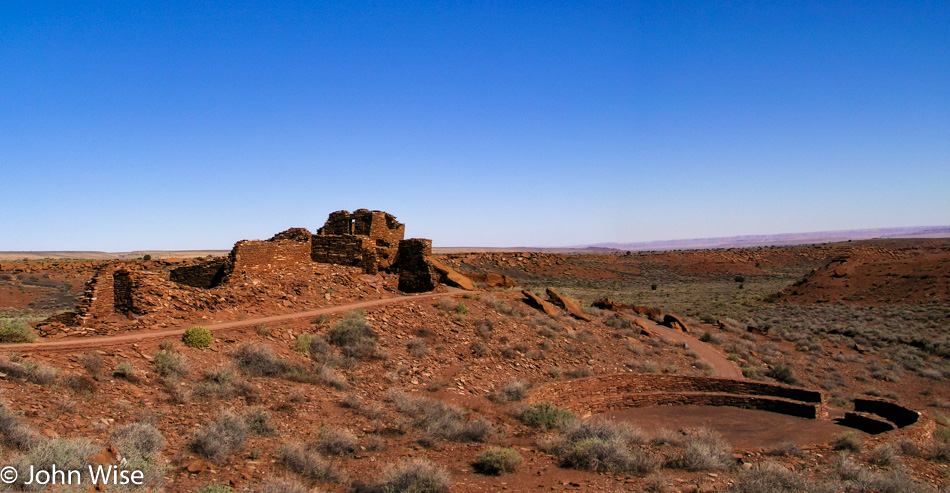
x=451 y=276
x=674 y=322
x=536 y=301
x=567 y=304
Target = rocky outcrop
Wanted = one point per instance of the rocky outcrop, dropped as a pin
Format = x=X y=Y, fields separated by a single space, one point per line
x=492 y=280
x=674 y=322
x=536 y=302
x=451 y=277
x=567 y=304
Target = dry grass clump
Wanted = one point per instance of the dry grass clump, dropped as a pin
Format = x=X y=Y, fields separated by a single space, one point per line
x=602 y=446
x=417 y=348
x=439 y=420
x=336 y=441
x=417 y=476
x=223 y=383
x=15 y=434
x=498 y=460
x=63 y=454
x=29 y=370
x=787 y=448
x=299 y=460
x=514 y=390
x=138 y=440
x=772 y=477
x=259 y=360
x=703 y=450
x=258 y=422
x=220 y=438
x=848 y=441
x=81 y=384
x=285 y=485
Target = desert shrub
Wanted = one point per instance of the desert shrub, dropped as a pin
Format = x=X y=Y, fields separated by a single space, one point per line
x=350 y=330
x=15 y=330
x=480 y=349
x=847 y=441
x=544 y=415
x=302 y=343
x=124 y=370
x=417 y=348
x=168 y=363
x=220 y=438
x=782 y=372
x=440 y=420
x=166 y=345
x=39 y=373
x=885 y=455
x=332 y=378
x=138 y=440
x=335 y=441
x=258 y=421
x=484 y=328
x=418 y=476
x=602 y=446
x=461 y=308
x=703 y=450
x=771 y=477
x=92 y=362
x=63 y=454
x=578 y=373
x=297 y=459
x=258 y=360
x=197 y=337
x=214 y=488
x=498 y=460
x=786 y=449
x=81 y=384
x=224 y=384
x=284 y=485
x=514 y=390
x=14 y=433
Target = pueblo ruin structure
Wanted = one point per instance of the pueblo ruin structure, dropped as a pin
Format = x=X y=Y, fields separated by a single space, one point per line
x=288 y=264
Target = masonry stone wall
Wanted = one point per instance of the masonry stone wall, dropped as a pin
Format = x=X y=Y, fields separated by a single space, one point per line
x=204 y=275
x=891 y=411
x=416 y=274
x=257 y=259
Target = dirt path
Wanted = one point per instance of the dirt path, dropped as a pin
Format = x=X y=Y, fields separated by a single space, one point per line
x=68 y=344
x=723 y=367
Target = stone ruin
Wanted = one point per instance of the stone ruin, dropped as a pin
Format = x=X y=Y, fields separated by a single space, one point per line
x=370 y=240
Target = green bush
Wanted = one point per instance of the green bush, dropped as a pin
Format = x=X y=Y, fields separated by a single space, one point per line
x=545 y=416
x=498 y=460
x=197 y=337
x=169 y=364
x=782 y=372
x=15 y=330
x=350 y=330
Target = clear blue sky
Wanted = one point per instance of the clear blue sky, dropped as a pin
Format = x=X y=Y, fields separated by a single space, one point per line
x=180 y=125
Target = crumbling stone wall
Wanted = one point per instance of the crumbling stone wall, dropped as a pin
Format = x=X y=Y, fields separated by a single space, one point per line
x=204 y=275
x=378 y=233
x=416 y=274
x=122 y=292
x=345 y=250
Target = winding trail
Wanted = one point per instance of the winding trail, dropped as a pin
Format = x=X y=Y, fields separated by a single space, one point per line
x=722 y=365
x=67 y=344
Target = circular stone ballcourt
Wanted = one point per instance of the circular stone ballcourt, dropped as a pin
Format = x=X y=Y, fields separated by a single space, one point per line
x=741 y=428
